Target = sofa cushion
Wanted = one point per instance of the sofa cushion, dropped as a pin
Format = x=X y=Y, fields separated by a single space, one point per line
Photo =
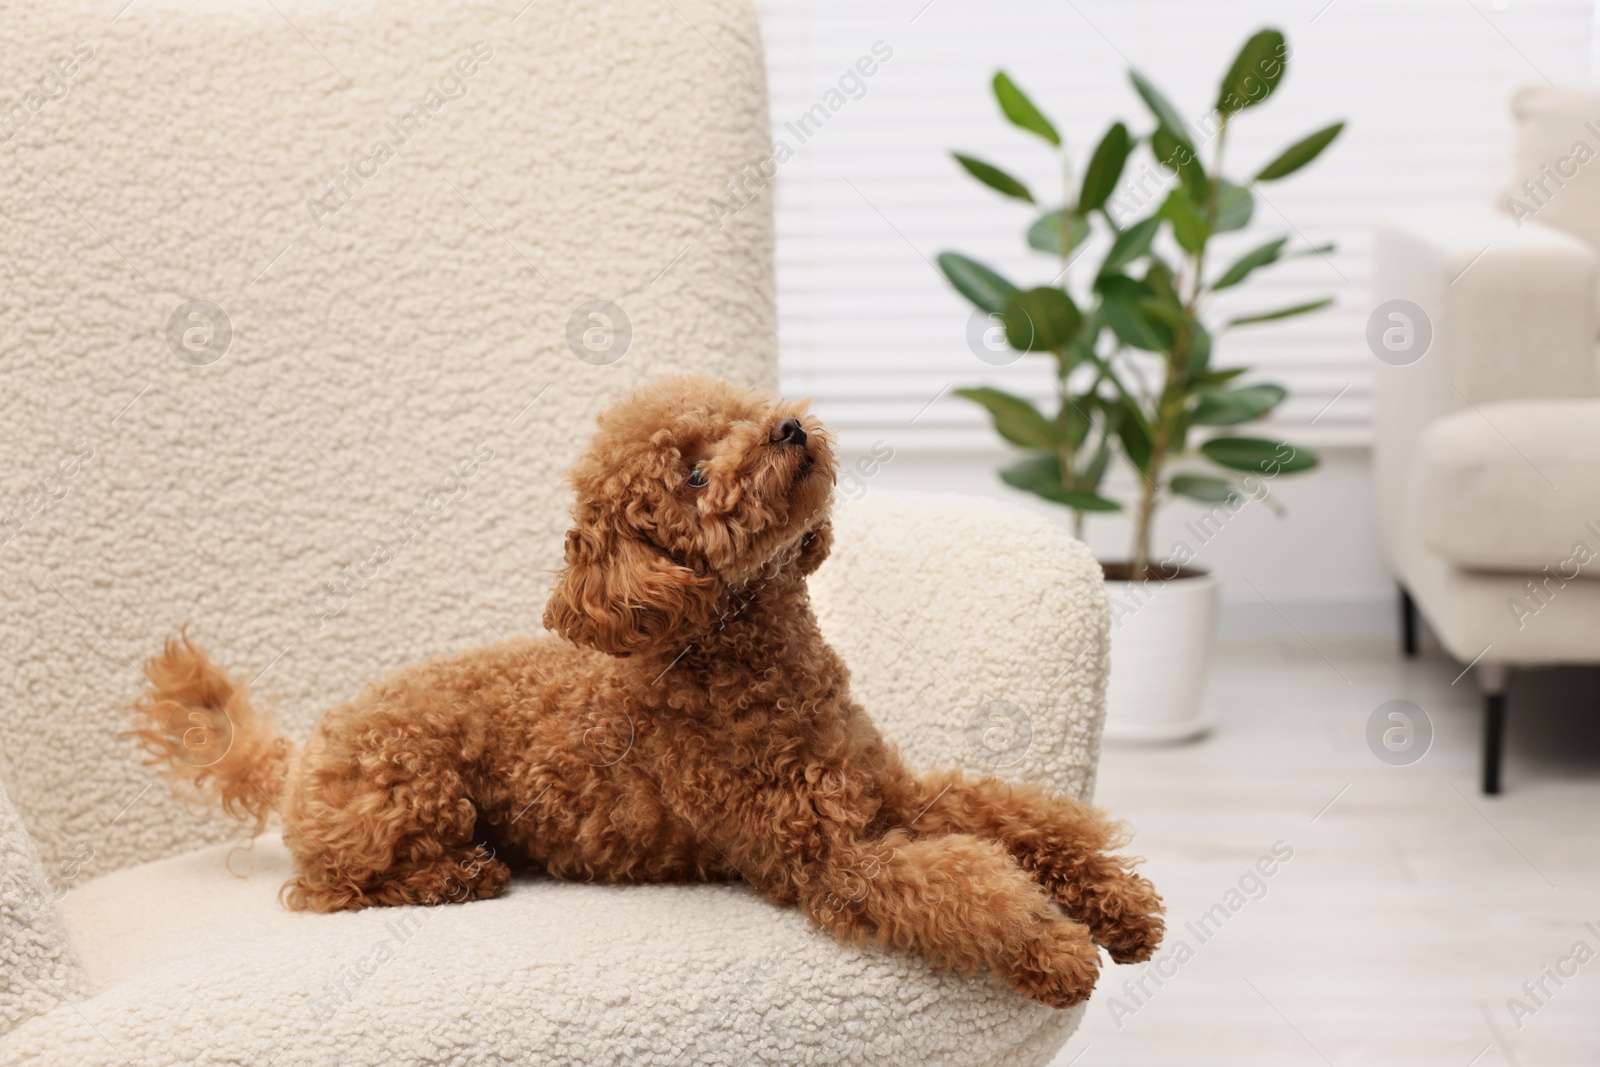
x=197 y=964
x=1556 y=175
x=1514 y=486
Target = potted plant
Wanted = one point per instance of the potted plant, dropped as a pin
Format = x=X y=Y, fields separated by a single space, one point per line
x=1128 y=323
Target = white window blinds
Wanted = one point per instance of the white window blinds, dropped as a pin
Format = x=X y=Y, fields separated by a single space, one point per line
x=870 y=195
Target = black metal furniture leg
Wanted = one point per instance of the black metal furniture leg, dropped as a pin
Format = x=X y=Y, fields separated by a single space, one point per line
x=1408 y=624
x=1494 y=737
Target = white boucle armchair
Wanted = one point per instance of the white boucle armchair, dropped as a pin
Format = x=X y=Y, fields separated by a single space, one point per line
x=1487 y=455
x=305 y=309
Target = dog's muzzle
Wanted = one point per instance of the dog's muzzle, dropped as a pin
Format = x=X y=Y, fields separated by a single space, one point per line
x=788 y=432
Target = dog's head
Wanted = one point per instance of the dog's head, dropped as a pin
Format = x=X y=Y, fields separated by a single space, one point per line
x=691 y=488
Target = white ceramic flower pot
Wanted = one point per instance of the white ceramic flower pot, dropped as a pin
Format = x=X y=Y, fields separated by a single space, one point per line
x=1160 y=650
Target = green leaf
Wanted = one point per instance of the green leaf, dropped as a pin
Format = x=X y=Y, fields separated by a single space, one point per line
x=1020 y=110
x=1299 y=154
x=1188 y=225
x=977 y=283
x=1123 y=301
x=1040 y=320
x=1083 y=345
x=1132 y=326
x=1165 y=114
x=1041 y=475
x=1130 y=244
x=1164 y=312
x=1016 y=420
x=1074 y=420
x=1182 y=160
x=1105 y=168
x=1282 y=313
x=1159 y=278
x=994 y=177
x=1199 y=487
x=1257 y=455
x=1045 y=233
x=1084 y=500
x=1258 y=257
x=1235 y=205
x=1096 y=470
x=1229 y=407
x=1161 y=305
x=1134 y=433
x=1199 y=346
x=1256 y=71
x=1219 y=377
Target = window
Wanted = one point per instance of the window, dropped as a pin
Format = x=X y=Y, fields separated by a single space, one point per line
x=870 y=195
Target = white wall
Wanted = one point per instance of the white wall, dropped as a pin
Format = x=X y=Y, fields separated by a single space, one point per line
x=1318 y=565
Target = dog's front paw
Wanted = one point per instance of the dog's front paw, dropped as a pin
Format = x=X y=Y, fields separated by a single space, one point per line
x=1057 y=965
x=1133 y=939
x=1122 y=911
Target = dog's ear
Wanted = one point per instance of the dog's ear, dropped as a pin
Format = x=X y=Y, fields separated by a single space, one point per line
x=815 y=547
x=621 y=596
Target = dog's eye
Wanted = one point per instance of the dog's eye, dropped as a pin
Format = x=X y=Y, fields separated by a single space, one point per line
x=697 y=476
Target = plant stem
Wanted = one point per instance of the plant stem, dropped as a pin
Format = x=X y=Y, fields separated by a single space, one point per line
x=1211 y=218
x=1150 y=491
x=1139 y=568
x=1065 y=457
x=1164 y=428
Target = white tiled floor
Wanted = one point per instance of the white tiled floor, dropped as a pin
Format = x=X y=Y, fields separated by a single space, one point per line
x=1412 y=908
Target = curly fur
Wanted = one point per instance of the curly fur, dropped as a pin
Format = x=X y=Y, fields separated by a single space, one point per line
x=685 y=722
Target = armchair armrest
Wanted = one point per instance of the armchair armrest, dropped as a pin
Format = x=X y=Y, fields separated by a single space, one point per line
x=975 y=632
x=1514 y=307
x=1513 y=312
x=38 y=968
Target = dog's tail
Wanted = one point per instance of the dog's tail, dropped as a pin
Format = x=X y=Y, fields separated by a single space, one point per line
x=199 y=727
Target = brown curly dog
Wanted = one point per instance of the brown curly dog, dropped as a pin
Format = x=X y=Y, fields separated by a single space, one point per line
x=688 y=724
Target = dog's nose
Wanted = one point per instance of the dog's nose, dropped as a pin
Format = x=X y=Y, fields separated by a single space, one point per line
x=789 y=432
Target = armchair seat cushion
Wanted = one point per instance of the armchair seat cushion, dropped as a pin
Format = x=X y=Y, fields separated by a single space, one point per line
x=949 y=610
x=1514 y=486
x=194 y=963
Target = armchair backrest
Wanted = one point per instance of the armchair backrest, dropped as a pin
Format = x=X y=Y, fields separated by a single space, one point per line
x=1555 y=178
x=1486 y=311
x=308 y=307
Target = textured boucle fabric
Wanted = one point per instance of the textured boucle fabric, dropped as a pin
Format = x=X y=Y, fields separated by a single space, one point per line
x=372 y=472
x=975 y=633
x=369 y=472
x=38 y=969
x=195 y=961
x=552 y=973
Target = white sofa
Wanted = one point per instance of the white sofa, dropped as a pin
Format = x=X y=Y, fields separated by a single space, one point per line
x=364 y=467
x=1488 y=438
